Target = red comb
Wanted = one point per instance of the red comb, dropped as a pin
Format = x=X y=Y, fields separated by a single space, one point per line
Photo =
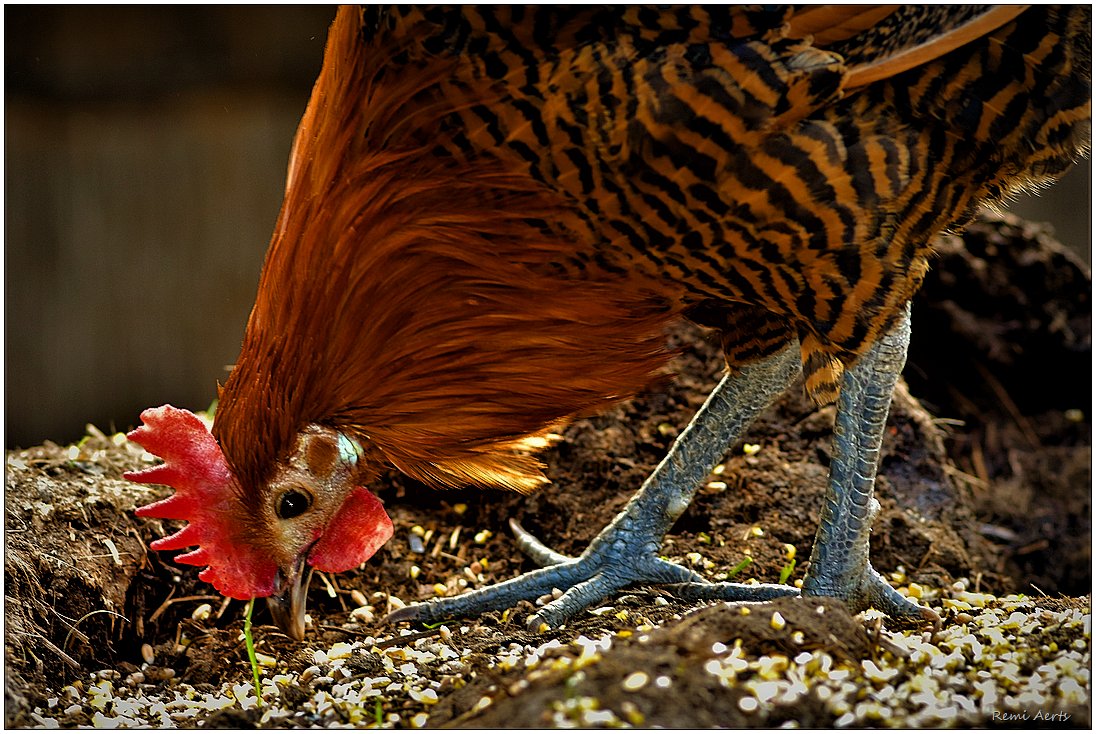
x=206 y=497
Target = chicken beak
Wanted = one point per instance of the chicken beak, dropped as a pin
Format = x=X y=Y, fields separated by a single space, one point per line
x=287 y=605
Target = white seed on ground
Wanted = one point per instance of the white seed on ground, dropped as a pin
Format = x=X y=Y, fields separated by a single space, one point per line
x=991 y=670
x=635 y=681
x=363 y=614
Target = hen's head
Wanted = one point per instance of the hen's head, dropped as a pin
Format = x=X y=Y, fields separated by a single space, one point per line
x=310 y=515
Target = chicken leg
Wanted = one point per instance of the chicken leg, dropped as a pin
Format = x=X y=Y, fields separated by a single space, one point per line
x=839 y=565
x=626 y=551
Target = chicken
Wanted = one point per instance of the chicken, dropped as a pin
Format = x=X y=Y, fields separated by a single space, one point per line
x=492 y=214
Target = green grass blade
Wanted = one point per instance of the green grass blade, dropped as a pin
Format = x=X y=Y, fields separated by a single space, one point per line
x=786 y=572
x=251 y=651
x=739 y=567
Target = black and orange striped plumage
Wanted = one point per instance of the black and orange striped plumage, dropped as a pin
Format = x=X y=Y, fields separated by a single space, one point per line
x=492 y=211
x=739 y=155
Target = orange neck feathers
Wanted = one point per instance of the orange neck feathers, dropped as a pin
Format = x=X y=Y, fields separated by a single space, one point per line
x=421 y=307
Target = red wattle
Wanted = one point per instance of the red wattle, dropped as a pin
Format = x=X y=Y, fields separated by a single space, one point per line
x=353 y=535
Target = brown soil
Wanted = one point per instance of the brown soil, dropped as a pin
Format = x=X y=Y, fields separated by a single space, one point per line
x=1001 y=342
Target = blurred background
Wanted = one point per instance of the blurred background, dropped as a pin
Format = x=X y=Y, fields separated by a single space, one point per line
x=145 y=160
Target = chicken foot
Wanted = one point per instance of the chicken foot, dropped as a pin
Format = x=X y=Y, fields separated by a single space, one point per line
x=839 y=565
x=626 y=551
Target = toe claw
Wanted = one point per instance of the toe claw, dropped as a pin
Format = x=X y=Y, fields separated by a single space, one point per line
x=931 y=617
x=531 y=546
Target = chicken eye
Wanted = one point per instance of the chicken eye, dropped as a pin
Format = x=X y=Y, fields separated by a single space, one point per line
x=293 y=503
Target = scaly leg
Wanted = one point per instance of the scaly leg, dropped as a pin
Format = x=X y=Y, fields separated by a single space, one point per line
x=626 y=551
x=839 y=561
